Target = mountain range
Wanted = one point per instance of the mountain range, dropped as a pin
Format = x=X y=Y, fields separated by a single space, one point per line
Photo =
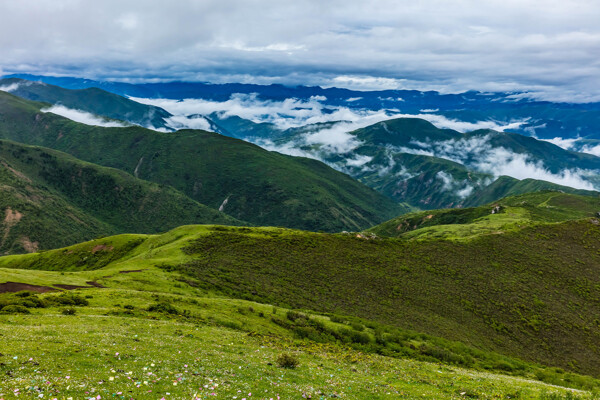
x=282 y=255
x=543 y=119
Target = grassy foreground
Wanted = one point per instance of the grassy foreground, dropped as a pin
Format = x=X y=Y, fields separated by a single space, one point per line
x=177 y=292
x=212 y=347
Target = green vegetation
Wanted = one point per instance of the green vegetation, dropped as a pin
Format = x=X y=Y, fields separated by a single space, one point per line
x=508 y=214
x=116 y=343
x=50 y=199
x=245 y=181
x=399 y=168
x=92 y=100
x=530 y=294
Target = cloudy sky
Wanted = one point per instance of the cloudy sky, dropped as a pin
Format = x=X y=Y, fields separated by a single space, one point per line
x=550 y=47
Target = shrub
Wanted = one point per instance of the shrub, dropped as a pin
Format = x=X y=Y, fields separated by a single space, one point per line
x=165 y=308
x=357 y=326
x=68 y=311
x=68 y=299
x=14 y=309
x=293 y=315
x=287 y=361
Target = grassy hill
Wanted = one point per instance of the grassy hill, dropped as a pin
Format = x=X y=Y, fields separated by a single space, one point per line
x=530 y=294
x=507 y=214
x=244 y=180
x=49 y=199
x=164 y=322
x=92 y=100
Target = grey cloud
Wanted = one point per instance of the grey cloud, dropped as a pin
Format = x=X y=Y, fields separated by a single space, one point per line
x=546 y=49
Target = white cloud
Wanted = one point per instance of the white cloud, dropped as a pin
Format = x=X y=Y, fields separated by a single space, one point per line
x=446 y=179
x=567 y=144
x=295 y=113
x=476 y=152
x=9 y=88
x=500 y=161
x=449 y=184
x=182 y=122
x=358 y=160
x=594 y=150
x=82 y=117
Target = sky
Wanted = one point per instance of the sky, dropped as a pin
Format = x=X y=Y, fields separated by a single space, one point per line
x=549 y=48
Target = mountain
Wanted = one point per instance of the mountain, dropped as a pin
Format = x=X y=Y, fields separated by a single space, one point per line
x=508 y=214
x=244 y=180
x=412 y=161
x=543 y=119
x=91 y=100
x=50 y=199
x=406 y=159
x=529 y=294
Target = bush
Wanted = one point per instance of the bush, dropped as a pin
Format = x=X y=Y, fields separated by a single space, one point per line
x=357 y=326
x=165 y=308
x=68 y=299
x=68 y=311
x=287 y=361
x=293 y=315
x=14 y=309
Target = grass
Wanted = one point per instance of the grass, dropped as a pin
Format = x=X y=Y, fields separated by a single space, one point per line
x=508 y=214
x=116 y=348
x=530 y=295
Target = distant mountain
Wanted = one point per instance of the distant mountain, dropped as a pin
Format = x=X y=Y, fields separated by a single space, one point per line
x=92 y=100
x=407 y=159
x=412 y=161
x=50 y=199
x=543 y=119
x=244 y=180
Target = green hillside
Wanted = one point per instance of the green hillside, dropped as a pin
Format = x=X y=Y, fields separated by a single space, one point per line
x=168 y=313
x=530 y=294
x=412 y=161
x=49 y=199
x=92 y=100
x=506 y=186
x=508 y=214
x=245 y=181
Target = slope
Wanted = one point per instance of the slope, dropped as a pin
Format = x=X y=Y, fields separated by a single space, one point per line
x=245 y=181
x=92 y=100
x=50 y=199
x=150 y=335
x=530 y=294
x=507 y=214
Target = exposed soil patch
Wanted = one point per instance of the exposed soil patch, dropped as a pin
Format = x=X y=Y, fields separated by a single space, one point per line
x=11 y=287
x=130 y=271
x=28 y=245
x=102 y=247
x=11 y=218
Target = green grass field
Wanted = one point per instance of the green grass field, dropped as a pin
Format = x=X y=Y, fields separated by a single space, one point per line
x=372 y=318
x=213 y=347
